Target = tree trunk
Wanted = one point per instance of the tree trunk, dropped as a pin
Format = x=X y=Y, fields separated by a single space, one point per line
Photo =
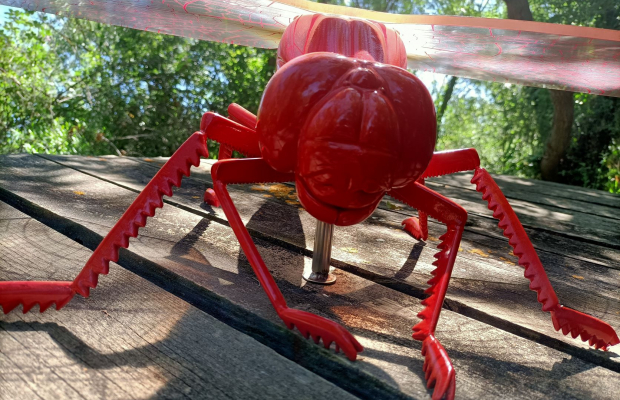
x=563 y=108
x=519 y=9
x=558 y=142
x=444 y=101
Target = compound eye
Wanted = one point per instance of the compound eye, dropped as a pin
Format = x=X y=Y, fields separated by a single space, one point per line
x=379 y=128
x=337 y=119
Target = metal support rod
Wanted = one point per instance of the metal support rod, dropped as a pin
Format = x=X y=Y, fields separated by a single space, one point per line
x=322 y=255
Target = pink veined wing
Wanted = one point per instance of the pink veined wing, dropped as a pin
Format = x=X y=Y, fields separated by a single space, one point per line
x=257 y=23
x=555 y=56
x=579 y=64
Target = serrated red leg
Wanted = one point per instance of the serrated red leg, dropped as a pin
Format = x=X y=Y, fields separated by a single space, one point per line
x=438 y=368
x=598 y=333
x=45 y=293
x=12 y=294
x=451 y=161
x=256 y=170
x=442 y=163
x=237 y=133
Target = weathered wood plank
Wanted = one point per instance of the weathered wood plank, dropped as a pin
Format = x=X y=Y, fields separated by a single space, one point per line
x=207 y=253
x=485 y=279
x=125 y=173
x=546 y=200
x=557 y=194
x=130 y=339
x=275 y=335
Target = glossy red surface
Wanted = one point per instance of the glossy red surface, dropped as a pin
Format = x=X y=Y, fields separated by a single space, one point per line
x=351 y=37
x=351 y=130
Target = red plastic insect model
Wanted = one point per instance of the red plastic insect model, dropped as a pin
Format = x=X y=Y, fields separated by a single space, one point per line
x=348 y=124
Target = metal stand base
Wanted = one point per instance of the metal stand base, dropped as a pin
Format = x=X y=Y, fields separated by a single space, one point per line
x=320 y=278
x=322 y=255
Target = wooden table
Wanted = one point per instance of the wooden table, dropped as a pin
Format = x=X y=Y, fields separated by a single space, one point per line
x=182 y=315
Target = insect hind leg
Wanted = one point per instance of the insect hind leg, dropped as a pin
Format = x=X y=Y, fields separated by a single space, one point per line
x=150 y=198
x=596 y=332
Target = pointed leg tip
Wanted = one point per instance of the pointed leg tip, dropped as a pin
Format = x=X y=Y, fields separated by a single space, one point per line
x=210 y=197
x=439 y=372
x=412 y=226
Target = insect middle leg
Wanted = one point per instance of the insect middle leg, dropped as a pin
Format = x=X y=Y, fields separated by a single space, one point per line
x=256 y=170
x=237 y=133
x=437 y=365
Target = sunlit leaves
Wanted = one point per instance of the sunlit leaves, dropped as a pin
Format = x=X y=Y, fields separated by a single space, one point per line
x=107 y=89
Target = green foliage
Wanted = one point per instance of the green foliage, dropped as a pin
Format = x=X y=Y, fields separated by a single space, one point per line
x=612 y=162
x=595 y=13
x=27 y=116
x=593 y=158
x=503 y=122
x=73 y=86
x=76 y=87
x=509 y=126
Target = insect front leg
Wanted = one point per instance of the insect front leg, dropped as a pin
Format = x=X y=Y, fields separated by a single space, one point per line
x=442 y=163
x=256 y=170
x=438 y=368
x=241 y=116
